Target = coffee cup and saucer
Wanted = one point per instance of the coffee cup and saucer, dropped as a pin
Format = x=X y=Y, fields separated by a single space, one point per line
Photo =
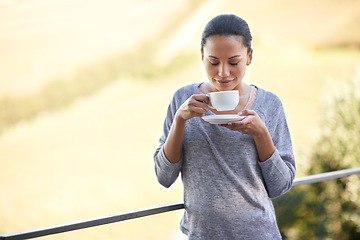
x=223 y=101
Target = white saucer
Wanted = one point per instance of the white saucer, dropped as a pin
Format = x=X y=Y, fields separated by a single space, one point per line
x=222 y=119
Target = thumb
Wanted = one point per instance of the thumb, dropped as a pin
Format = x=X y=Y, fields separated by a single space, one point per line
x=247 y=112
x=243 y=113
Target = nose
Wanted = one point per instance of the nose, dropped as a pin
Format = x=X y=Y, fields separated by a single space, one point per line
x=223 y=70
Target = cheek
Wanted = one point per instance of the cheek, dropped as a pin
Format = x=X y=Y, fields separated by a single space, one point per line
x=209 y=69
x=240 y=69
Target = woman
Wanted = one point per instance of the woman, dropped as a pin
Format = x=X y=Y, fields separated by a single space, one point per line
x=230 y=172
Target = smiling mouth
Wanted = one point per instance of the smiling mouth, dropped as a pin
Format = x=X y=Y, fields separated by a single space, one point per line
x=224 y=81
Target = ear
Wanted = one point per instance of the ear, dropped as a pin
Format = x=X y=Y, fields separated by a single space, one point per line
x=202 y=55
x=249 y=60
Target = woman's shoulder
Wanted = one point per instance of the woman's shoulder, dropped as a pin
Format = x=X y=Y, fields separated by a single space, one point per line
x=187 y=90
x=183 y=93
x=267 y=96
x=268 y=105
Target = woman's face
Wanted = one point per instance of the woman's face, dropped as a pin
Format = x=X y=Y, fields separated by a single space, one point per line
x=225 y=59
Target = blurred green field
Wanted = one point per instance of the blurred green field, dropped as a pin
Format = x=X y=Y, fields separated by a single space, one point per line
x=91 y=154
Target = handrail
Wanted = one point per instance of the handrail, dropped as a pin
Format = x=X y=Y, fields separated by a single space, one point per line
x=326 y=176
x=97 y=221
x=92 y=222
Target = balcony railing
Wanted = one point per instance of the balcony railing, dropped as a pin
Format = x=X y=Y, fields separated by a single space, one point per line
x=123 y=216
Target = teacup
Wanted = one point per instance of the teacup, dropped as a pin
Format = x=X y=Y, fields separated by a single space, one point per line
x=224 y=100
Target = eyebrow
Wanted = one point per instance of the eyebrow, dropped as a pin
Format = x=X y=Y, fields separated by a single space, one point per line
x=228 y=58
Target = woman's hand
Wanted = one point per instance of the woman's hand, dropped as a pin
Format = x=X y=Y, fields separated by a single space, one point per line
x=253 y=125
x=195 y=106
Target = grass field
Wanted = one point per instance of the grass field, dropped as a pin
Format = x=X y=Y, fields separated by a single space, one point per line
x=93 y=156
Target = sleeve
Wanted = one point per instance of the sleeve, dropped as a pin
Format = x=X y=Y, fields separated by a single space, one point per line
x=166 y=172
x=279 y=170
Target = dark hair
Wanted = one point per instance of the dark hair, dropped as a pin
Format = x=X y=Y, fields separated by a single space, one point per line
x=227 y=25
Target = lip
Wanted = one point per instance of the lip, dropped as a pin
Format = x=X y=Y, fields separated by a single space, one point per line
x=224 y=82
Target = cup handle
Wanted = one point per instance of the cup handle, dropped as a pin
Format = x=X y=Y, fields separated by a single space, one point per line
x=208 y=95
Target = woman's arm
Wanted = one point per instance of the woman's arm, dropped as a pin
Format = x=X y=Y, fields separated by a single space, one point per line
x=173 y=144
x=252 y=125
x=276 y=158
x=195 y=106
x=168 y=155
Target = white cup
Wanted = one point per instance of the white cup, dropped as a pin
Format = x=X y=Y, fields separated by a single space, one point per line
x=224 y=100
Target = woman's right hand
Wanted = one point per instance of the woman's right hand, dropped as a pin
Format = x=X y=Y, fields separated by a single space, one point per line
x=195 y=106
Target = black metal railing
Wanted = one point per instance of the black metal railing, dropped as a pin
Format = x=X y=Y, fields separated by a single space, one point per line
x=123 y=216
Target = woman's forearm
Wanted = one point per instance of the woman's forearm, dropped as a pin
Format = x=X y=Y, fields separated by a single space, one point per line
x=174 y=142
x=264 y=145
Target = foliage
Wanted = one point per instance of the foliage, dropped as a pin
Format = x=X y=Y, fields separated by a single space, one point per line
x=329 y=210
x=338 y=148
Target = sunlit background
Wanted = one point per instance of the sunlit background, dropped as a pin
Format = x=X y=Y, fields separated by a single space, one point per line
x=84 y=88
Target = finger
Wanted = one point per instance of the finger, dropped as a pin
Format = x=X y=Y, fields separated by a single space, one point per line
x=198 y=111
x=230 y=127
x=243 y=113
x=247 y=112
x=238 y=125
x=199 y=104
x=201 y=97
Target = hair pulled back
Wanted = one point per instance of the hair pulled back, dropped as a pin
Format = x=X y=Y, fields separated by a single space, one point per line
x=227 y=25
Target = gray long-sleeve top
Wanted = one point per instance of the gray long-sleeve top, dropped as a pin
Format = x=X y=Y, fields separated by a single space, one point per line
x=227 y=190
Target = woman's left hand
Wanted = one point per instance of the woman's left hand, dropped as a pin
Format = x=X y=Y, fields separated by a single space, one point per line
x=251 y=124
